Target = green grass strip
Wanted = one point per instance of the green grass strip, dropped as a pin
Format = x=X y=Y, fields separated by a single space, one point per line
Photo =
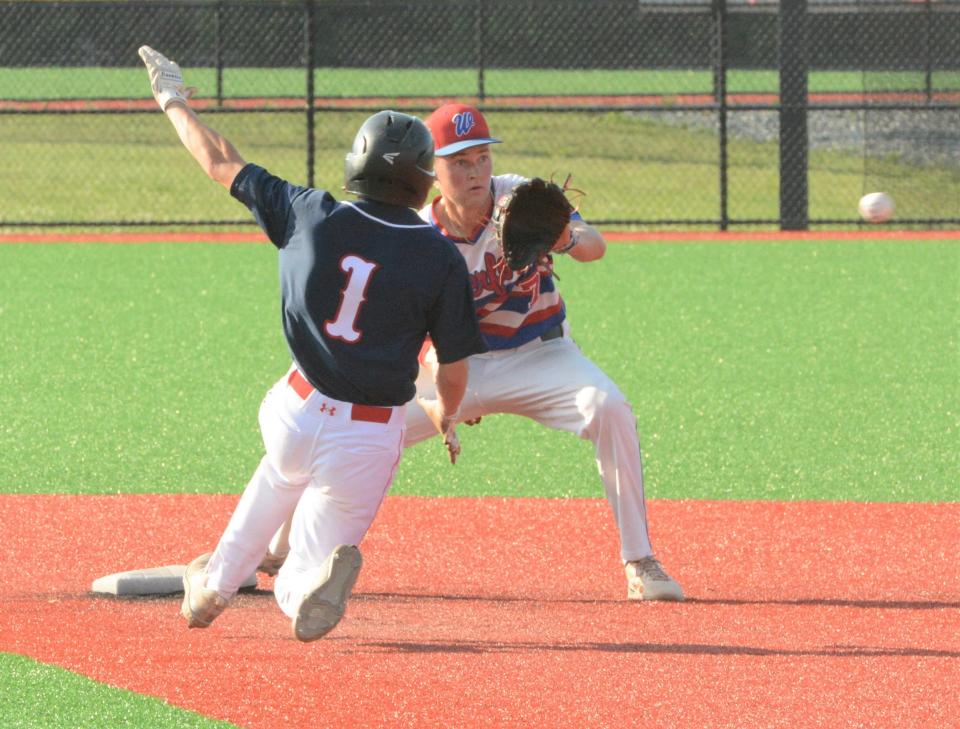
x=795 y=370
x=37 y=696
x=120 y=83
x=634 y=166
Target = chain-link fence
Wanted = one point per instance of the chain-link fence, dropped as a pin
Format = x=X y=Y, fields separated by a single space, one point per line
x=692 y=113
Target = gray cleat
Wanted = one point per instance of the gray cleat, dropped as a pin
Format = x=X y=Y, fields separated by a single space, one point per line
x=324 y=604
x=200 y=606
x=271 y=564
x=646 y=580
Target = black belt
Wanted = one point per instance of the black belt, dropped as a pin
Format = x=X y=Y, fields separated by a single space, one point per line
x=554 y=332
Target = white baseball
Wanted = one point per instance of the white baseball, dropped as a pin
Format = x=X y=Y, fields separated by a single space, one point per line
x=876 y=207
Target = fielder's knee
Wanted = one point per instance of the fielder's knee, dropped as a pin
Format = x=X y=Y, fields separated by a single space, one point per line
x=604 y=410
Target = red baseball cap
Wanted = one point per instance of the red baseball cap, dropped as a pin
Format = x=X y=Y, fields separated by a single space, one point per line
x=456 y=127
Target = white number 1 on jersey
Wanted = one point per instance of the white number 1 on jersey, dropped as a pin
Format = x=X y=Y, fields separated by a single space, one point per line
x=352 y=297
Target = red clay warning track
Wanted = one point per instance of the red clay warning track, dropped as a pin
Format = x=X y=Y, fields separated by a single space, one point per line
x=587 y=101
x=511 y=612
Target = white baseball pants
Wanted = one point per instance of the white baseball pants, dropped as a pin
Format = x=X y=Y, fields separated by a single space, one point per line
x=553 y=383
x=327 y=462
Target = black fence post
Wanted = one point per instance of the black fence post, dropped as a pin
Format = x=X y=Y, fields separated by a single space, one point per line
x=218 y=40
x=794 y=209
x=720 y=97
x=927 y=55
x=481 y=43
x=309 y=41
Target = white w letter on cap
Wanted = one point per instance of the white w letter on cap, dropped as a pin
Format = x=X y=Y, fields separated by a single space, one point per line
x=463 y=123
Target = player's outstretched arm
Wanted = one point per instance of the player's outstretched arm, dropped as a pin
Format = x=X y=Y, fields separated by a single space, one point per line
x=213 y=152
x=451 y=384
x=581 y=242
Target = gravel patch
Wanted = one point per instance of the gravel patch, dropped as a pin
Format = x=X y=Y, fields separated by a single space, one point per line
x=918 y=136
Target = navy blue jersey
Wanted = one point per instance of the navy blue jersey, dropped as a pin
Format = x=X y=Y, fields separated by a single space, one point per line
x=362 y=283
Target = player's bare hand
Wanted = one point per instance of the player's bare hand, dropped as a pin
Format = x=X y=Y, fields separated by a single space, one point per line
x=445 y=424
x=452 y=442
x=166 y=79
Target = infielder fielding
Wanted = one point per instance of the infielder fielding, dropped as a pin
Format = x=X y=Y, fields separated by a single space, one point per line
x=533 y=368
x=362 y=284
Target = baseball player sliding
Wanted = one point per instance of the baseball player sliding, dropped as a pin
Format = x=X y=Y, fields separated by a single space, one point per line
x=533 y=368
x=362 y=283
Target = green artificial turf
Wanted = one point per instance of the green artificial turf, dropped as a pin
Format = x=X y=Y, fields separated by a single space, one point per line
x=793 y=370
x=769 y=371
x=136 y=368
x=37 y=696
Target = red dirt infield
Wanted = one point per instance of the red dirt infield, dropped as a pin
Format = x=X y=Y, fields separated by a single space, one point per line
x=613 y=236
x=511 y=612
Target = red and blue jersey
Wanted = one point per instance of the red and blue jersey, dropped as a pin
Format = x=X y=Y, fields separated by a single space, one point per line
x=362 y=284
x=514 y=307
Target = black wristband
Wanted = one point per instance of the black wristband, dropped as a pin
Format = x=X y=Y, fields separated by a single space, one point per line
x=574 y=239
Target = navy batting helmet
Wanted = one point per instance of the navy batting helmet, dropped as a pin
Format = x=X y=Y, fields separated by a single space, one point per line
x=391 y=161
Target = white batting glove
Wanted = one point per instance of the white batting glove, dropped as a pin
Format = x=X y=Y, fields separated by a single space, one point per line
x=166 y=79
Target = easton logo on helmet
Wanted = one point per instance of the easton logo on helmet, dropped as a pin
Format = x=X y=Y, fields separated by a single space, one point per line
x=463 y=123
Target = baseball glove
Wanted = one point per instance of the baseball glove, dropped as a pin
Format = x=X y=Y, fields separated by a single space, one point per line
x=530 y=221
